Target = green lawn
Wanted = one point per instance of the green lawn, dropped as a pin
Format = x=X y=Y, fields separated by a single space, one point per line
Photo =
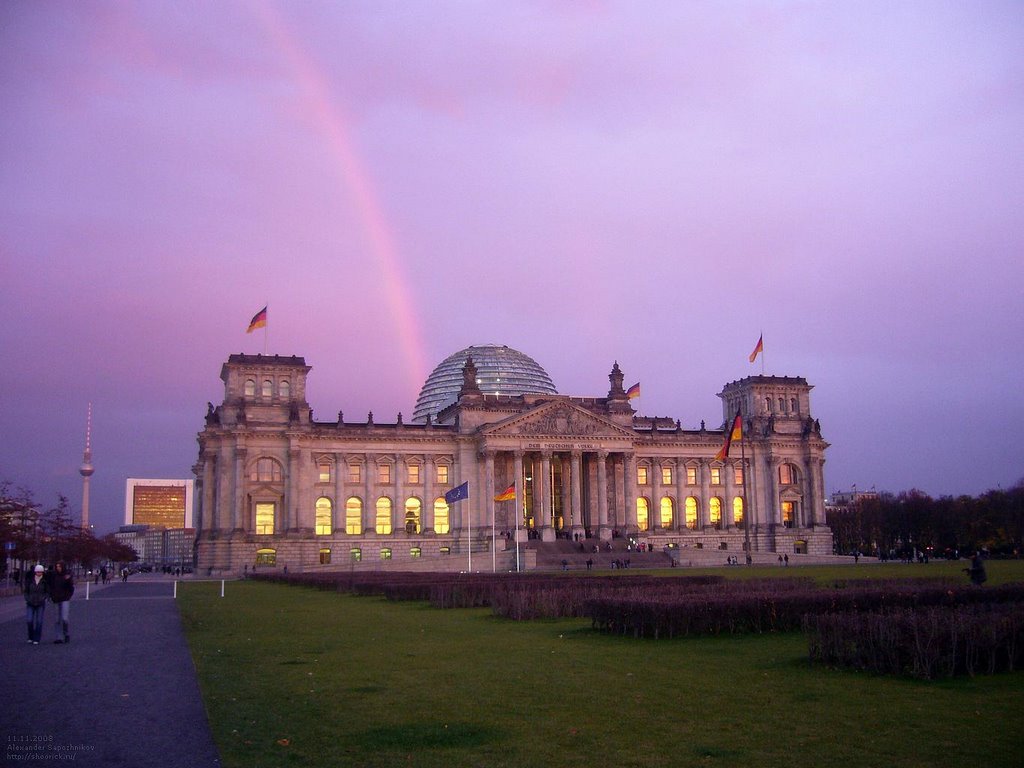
x=292 y=676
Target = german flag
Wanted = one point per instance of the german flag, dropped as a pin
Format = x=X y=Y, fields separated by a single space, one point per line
x=733 y=433
x=633 y=392
x=508 y=494
x=758 y=348
x=259 y=320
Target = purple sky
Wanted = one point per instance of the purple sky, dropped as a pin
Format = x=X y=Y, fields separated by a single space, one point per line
x=586 y=182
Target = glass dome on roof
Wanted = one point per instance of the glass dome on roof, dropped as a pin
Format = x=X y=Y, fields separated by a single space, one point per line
x=500 y=370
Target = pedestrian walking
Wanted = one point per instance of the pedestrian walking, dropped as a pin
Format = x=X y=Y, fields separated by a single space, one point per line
x=62 y=587
x=36 y=590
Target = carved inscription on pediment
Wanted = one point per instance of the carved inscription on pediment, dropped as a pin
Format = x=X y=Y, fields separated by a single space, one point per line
x=561 y=421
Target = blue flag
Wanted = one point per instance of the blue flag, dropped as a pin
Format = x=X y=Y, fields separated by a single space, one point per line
x=458 y=493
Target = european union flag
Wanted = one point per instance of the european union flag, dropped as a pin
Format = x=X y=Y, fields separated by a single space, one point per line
x=458 y=493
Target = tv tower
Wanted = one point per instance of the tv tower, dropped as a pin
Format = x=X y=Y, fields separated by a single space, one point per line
x=86 y=470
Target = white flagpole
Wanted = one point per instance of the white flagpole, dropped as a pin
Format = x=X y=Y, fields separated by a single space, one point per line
x=517 y=526
x=469 y=531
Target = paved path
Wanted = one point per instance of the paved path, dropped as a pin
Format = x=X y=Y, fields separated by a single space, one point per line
x=123 y=693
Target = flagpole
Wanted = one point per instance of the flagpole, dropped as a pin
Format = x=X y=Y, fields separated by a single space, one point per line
x=762 y=352
x=494 y=542
x=469 y=537
x=266 y=333
x=517 y=527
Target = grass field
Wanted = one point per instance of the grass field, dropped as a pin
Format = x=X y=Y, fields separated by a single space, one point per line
x=292 y=677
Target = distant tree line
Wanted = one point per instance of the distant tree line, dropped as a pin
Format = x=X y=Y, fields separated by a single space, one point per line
x=30 y=534
x=912 y=522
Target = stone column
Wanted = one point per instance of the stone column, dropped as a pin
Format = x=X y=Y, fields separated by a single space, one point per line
x=730 y=493
x=520 y=502
x=398 y=507
x=429 y=475
x=237 y=519
x=604 y=531
x=681 y=494
x=340 y=510
x=489 y=489
x=704 y=513
x=369 y=502
x=629 y=485
x=575 y=498
x=774 y=507
x=294 y=487
x=547 y=528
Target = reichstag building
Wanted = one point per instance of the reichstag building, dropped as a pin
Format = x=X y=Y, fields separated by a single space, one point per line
x=276 y=488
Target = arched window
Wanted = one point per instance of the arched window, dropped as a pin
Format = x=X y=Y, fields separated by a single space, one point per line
x=268 y=388
x=788 y=474
x=412 y=515
x=383 y=515
x=768 y=404
x=284 y=389
x=250 y=388
x=737 y=511
x=353 y=516
x=266 y=471
x=642 y=507
x=782 y=405
x=266 y=557
x=692 y=508
x=666 y=512
x=793 y=406
x=323 y=516
x=265 y=519
x=442 y=522
x=715 y=509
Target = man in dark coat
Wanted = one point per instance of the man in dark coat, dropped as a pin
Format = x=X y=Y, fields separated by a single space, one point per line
x=62 y=587
x=977 y=570
x=37 y=589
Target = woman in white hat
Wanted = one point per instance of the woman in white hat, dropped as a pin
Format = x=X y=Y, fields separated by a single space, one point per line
x=36 y=591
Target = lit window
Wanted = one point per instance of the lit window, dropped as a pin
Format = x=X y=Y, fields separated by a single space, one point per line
x=354 y=473
x=666 y=512
x=738 y=475
x=412 y=515
x=284 y=389
x=385 y=553
x=324 y=470
x=250 y=388
x=641 y=475
x=266 y=557
x=325 y=557
x=323 y=516
x=641 y=513
x=441 y=519
x=268 y=388
x=788 y=513
x=383 y=515
x=384 y=473
x=715 y=508
x=691 y=475
x=716 y=475
x=666 y=475
x=737 y=511
x=264 y=519
x=415 y=552
x=266 y=471
x=691 y=512
x=356 y=554
x=414 y=474
x=353 y=516
x=446 y=550
x=787 y=474
x=442 y=474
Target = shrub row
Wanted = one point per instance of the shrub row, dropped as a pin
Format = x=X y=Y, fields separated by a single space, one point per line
x=925 y=643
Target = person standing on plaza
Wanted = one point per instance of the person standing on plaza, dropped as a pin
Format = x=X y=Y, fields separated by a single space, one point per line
x=62 y=587
x=36 y=591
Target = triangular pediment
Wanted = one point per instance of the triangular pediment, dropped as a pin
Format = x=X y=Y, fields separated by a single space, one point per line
x=557 y=419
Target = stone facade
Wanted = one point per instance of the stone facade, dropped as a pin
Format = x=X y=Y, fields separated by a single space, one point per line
x=276 y=488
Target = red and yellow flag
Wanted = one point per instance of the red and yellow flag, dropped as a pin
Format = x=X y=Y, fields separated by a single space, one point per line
x=733 y=433
x=259 y=320
x=758 y=349
x=508 y=494
x=633 y=391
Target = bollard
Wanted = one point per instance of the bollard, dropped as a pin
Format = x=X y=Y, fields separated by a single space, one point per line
x=86 y=589
x=175 y=589
x=222 y=587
